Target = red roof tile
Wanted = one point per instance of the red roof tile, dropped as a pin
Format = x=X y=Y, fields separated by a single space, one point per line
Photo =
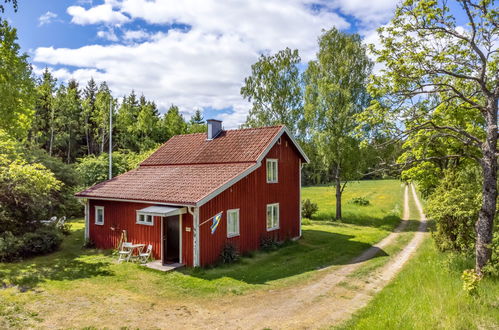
x=232 y=146
x=180 y=184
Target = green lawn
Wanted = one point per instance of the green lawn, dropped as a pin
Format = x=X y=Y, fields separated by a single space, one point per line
x=428 y=294
x=385 y=197
x=50 y=282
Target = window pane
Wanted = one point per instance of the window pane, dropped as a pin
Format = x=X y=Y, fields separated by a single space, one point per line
x=141 y=218
x=269 y=216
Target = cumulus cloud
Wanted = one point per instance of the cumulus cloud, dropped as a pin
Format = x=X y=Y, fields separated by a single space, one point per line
x=202 y=65
x=99 y=14
x=108 y=35
x=136 y=35
x=46 y=18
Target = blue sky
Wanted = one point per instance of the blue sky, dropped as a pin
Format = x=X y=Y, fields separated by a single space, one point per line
x=192 y=53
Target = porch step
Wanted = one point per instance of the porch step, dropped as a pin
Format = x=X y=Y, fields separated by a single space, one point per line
x=158 y=265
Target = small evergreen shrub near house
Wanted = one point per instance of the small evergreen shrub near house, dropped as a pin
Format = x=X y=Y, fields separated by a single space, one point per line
x=308 y=208
x=361 y=201
x=229 y=254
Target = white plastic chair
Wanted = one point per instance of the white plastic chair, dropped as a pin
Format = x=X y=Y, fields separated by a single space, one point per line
x=144 y=256
x=61 y=221
x=48 y=222
x=126 y=252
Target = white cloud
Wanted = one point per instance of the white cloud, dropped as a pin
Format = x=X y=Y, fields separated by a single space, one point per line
x=109 y=35
x=46 y=18
x=136 y=35
x=203 y=65
x=99 y=14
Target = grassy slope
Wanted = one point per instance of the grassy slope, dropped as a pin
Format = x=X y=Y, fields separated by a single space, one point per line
x=89 y=274
x=428 y=294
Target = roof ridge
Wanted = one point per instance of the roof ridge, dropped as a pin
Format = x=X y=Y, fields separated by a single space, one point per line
x=196 y=164
x=231 y=130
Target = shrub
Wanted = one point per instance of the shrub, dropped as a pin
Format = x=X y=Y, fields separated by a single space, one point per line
x=41 y=241
x=10 y=247
x=229 y=254
x=89 y=244
x=64 y=228
x=470 y=282
x=308 y=208
x=268 y=243
x=306 y=222
x=361 y=201
x=454 y=207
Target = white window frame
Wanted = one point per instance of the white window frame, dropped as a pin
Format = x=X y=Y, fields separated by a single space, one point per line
x=97 y=208
x=273 y=161
x=143 y=222
x=233 y=234
x=276 y=224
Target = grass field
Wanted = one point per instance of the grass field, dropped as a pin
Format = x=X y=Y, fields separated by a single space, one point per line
x=428 y=294
x=43 y=285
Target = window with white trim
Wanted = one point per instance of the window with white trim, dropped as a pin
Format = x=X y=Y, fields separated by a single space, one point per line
x=271 y=170
x=99 y=215
x=272 y=216
x=145 y=219
x=232 y=223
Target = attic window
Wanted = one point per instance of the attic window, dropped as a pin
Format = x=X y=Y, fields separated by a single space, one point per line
x=272 y=170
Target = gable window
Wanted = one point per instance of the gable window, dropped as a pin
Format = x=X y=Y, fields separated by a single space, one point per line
x=272 y=216
x=145 y=219
x=99 y=215
x=271 y=170
x=232 y=223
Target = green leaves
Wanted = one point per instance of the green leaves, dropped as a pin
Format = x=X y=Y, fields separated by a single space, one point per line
x=275 y=90
x=16 y=85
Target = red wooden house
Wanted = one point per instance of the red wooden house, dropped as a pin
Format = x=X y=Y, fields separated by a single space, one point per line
x=252 y=176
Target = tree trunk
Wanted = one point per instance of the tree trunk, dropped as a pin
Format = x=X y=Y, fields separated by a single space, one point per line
x=89 y=147
x=485 y=223
x=51 y=140
x=69 y=147
x=338 y=192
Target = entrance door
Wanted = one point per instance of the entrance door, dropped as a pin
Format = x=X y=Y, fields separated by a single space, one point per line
x=171 y=231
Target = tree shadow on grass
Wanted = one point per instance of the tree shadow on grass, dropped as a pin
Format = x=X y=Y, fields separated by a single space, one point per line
x=62 y=265
x=317 y=249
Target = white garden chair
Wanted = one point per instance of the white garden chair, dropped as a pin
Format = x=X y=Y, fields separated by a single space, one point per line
x=61 y=221
x=48 y=222
x=144 y=256
x=126 y=252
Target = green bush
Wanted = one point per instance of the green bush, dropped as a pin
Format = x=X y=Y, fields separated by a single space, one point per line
x=308 y=208
x=268 y=243
x=361 y=201
x=10 y=247
x=229 y=254
x=454 y=207
x=41 y=241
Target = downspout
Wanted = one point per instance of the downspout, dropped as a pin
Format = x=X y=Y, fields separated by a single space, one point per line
x=194 y=211
x=300 y=166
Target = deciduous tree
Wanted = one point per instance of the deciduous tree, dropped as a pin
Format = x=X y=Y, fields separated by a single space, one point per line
x=335 y=93
x=451 y=67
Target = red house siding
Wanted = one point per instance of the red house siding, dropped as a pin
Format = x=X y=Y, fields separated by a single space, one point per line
x=251 y=196
x=120 y=216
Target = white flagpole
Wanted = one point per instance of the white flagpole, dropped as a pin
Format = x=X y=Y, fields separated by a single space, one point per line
x=110 y=137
